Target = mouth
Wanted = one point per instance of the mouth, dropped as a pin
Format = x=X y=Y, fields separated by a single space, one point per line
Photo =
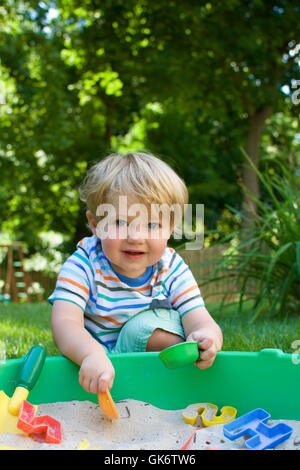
x=133 y=254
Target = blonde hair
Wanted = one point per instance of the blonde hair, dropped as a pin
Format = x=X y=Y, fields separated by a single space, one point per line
x=143 y=175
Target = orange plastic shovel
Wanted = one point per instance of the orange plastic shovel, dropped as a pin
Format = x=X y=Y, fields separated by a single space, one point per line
x=107 y=404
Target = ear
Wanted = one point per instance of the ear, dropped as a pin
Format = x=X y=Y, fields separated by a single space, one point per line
x=91 y=221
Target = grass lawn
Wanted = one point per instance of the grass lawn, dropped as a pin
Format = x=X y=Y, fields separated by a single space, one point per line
x=25 y=325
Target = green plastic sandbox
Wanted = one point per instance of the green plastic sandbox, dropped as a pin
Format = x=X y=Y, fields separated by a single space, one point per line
x=269 y=379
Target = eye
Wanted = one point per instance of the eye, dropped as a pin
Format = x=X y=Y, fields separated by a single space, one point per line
x=153 y=225
x=121 y=223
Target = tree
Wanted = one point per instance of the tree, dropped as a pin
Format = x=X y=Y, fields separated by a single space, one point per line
x=57 y=116
x=80 y=79
x=235 y=55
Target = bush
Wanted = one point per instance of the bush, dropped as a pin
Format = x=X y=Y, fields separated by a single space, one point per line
x=265 y=260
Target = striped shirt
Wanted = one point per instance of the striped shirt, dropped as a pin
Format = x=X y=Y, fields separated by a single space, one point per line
x=108 y=299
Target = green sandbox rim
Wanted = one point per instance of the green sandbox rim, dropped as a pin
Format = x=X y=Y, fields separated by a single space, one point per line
x=268 y=379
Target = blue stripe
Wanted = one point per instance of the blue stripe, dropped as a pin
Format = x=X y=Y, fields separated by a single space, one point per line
x=92 y=249
x=179 y=264
x=79 y=255
x=175 y=279
x=69 y=270
x=64 y=269
x=182 y=283
x=122 y=307
x=76 y=264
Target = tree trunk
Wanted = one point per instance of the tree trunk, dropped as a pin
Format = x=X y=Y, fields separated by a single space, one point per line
x=250 y=178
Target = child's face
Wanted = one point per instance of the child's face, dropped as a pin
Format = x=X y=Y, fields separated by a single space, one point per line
x=132 y=243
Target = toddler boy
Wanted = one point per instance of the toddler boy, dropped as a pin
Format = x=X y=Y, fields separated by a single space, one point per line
x=124 y=289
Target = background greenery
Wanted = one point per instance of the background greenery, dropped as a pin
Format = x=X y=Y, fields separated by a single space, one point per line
x=263 y=261
x=192 y=81
x=199 y=83
x=23 y=326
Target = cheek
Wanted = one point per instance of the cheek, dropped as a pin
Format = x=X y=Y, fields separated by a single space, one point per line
x=157 y=247
x=110 y=247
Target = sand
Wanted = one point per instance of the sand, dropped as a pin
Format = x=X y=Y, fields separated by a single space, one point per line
x=140 y=426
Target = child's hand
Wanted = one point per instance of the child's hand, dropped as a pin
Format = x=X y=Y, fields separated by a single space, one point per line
x=96 y=373
x=207 y=344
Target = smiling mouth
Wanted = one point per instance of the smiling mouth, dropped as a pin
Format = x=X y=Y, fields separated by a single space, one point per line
x=133 y=252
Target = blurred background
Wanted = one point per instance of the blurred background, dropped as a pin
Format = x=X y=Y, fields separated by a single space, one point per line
x=213 y=88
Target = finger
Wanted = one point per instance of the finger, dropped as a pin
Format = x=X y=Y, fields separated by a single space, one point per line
x=93 y=388
x=85 y=383
x=205 y=343
x=110 y=382
x=194 y=336
x=204 y=364
x=104 y=381
x=209 y=353
x=206 y=358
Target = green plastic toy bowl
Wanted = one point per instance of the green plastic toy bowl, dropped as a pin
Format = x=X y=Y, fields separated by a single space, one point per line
x=180 y=355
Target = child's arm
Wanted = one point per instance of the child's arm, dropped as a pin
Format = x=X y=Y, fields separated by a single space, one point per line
x=75 y=342
x=199 y=326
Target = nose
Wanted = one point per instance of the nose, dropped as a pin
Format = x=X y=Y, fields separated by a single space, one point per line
x=136 y=234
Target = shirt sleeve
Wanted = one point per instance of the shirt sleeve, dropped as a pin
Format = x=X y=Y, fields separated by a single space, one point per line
x=183 y=291
x=72 y=282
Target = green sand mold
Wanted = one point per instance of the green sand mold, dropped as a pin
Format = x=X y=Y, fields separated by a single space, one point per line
x=180 y=355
